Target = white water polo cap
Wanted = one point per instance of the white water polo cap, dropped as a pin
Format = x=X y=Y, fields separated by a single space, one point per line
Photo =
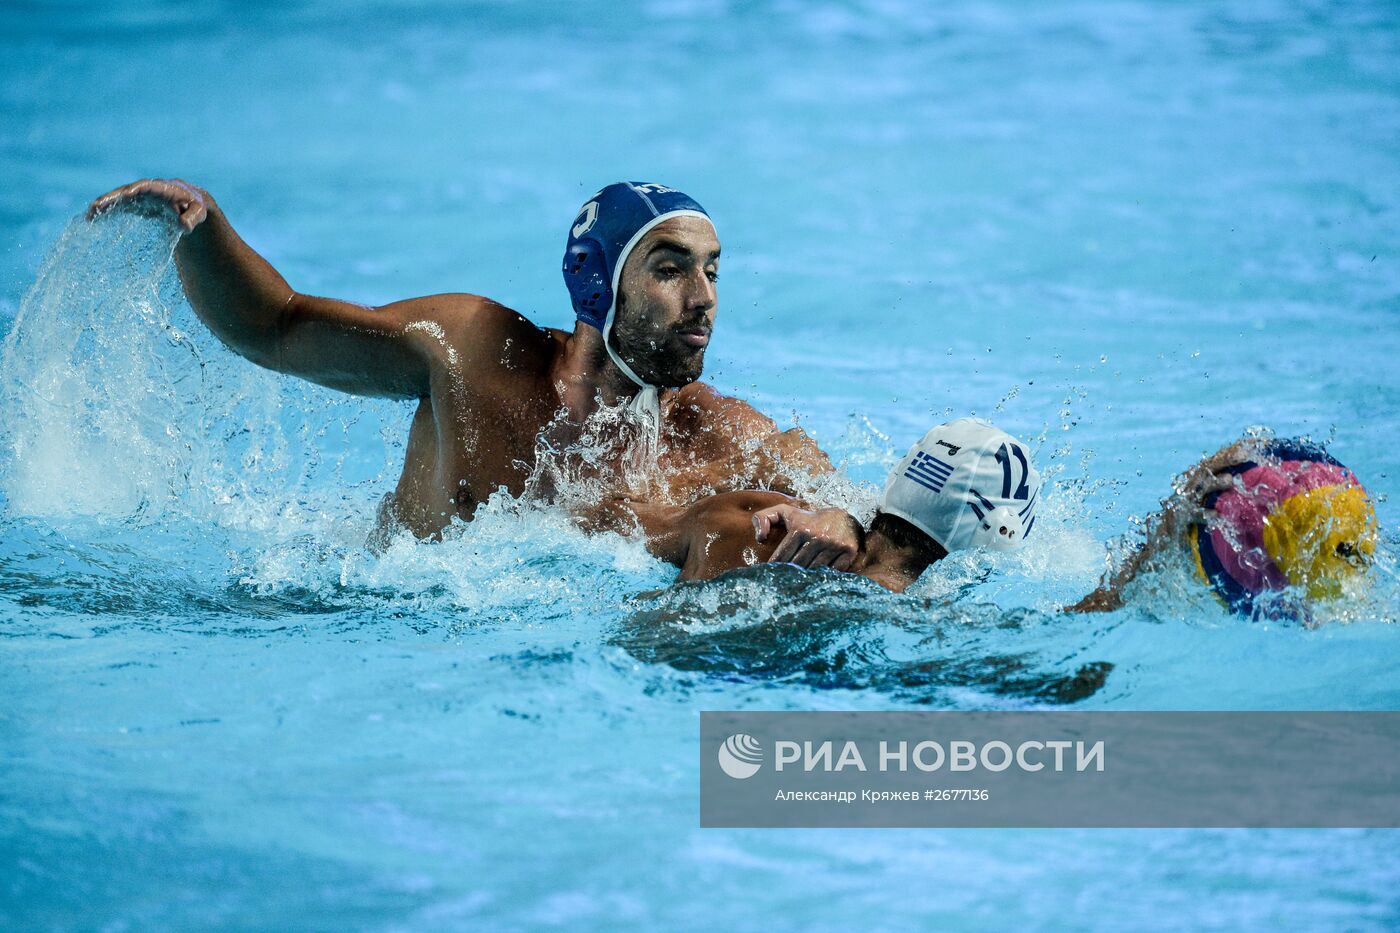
x=966 y=484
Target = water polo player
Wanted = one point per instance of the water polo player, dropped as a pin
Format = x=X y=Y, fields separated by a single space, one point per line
x=965 y=484
x=641 y=265
x=1267 y=524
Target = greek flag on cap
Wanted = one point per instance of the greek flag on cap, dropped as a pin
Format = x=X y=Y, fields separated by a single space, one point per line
x=966 y=484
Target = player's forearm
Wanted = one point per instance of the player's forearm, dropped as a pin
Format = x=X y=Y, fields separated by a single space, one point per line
x=605 y=515
x=1109 y=595
x=660 y=526
x=1166 y=534
x=233 y=290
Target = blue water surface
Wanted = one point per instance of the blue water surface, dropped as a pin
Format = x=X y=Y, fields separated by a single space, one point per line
x=1126 y=231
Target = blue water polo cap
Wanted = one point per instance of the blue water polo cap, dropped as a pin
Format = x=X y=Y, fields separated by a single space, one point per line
x=603 y=234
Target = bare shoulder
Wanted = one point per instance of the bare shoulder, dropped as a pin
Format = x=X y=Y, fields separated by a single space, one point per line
x=702 y=403
x=476 y=330
x=702 y=396
x=459 y=311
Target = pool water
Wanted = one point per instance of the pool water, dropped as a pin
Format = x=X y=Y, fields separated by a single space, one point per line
x=1124 y=231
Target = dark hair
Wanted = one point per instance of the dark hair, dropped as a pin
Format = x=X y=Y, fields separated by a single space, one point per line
x=902 y=534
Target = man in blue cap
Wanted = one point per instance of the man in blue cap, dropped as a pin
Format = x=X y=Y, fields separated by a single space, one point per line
x=641 y=265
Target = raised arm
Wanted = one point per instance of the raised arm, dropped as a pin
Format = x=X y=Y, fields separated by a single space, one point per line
x=241 y=298
x=1167 y=530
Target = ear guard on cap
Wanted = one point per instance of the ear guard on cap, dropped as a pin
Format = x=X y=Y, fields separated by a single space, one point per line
x=1000 y=529
x=586 y=275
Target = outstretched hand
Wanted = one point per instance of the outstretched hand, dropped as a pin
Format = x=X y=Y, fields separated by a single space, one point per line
x=1167 y=531
x=824 y=538
x=189 y=203
x=1186 y=506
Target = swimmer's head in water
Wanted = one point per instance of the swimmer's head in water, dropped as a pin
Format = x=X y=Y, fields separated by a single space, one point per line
x=640 y=265
x=1295 y=518
x=966 y=484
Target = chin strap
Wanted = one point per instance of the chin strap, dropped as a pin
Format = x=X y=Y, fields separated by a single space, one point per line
x=645 y=408
x=618 y=361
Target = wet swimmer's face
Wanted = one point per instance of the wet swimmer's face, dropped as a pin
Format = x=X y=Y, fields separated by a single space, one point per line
x=667 y=302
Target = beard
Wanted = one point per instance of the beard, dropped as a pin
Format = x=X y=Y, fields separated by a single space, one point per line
x=656 y=353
